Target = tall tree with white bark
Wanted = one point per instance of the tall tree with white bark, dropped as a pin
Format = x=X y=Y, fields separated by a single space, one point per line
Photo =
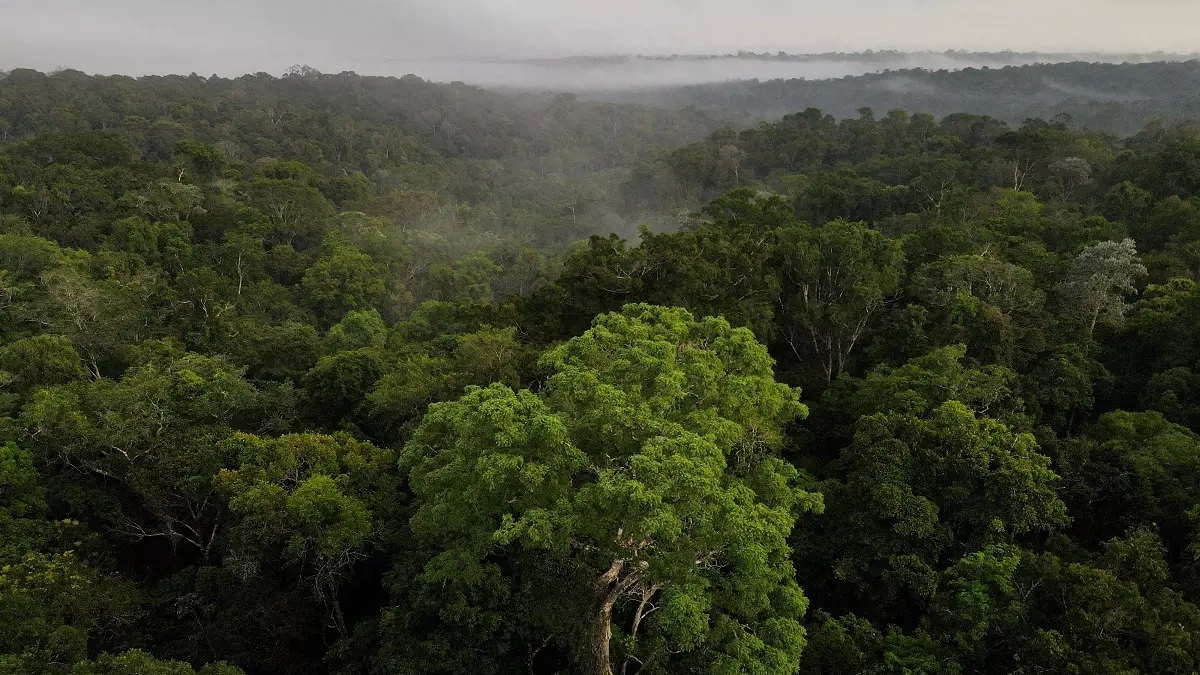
x=1101 y=277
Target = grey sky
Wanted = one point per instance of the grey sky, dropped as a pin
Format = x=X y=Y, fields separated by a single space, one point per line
x=232 y=36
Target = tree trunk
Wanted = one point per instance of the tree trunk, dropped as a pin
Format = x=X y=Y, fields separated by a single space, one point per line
x=335 y=608
x=607 y=590
x=604 y=639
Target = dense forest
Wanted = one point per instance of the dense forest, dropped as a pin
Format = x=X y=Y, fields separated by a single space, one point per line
x=323 y=375
x=1113 y=97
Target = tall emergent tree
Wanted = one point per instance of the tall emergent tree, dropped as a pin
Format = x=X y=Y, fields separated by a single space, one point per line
x=1101 y=277
x=836 y=278
x=633 y=516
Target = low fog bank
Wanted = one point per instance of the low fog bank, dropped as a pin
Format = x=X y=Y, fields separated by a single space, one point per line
x=572 y=74
x=584 y=74
x=611 y=75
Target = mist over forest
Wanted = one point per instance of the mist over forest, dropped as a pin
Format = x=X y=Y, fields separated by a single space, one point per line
x=1115 y=97
x=413 y=337
x=624 y=72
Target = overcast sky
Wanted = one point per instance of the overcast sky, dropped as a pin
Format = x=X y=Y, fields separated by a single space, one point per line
x=235 y=36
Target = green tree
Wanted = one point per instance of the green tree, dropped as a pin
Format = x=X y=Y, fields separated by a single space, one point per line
x=836 y=278
x=307 y=501
x=646 y=475
x=1129 y=470
x=339 y=383
x=51 y=601
x=298 y=213
x=148 y=446
x=917 y=490
x=719 y=267
x=1100 y=279
x=101 y=318
x=343 y=279
x=41 y=361
x=990 y=305
x=356 y=330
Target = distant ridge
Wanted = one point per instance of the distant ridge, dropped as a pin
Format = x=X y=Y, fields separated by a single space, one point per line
x=1114 y=97
x=870 y=55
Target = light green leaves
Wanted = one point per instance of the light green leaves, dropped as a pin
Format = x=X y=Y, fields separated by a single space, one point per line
x=648 y=366
x=307 y=494
x=635 y=474
x=505 y=464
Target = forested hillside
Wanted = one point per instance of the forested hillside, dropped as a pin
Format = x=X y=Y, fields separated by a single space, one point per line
x=311 y=375
x=1113 y=97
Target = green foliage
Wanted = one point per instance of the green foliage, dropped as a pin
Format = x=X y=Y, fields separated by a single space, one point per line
x=644 y=472
x=307 y=502
x=1100 y=278
x=1131 y=470
x=838 y=276
x=926 y=382
x=338 y=383
x=39 y=361
x=343 y=279
x=916 y=487
x=137 y=662
x=154 y=436
x=649 y=363
x=321 y=374
x=51 y=600
x=992 y=305
x=356 y=330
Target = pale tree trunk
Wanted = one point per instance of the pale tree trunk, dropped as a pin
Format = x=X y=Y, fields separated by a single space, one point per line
x=644 y=609
x=607 y=585
x=611 y=587
x=603 y=640
x=240 y=275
